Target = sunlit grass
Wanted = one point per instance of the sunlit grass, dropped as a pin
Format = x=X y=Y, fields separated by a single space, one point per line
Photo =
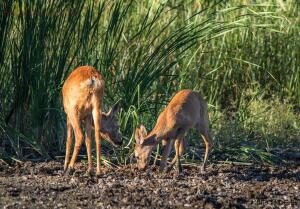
x=147 y=50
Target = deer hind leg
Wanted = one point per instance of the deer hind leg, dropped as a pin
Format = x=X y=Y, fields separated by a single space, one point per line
x=68 y=144
x=204 y=132
x=88 y=141
x=179 y=145
x=167 y=145
x=75 y=121
x=97 y=124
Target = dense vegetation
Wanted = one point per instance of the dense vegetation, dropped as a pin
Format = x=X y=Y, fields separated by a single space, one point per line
x=243 y=57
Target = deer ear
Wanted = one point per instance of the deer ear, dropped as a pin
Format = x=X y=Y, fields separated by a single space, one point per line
x=115 y=108
x=143 y=131
x=137 y=136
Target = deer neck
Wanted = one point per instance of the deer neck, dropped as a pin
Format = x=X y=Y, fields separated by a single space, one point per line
x=158 y=133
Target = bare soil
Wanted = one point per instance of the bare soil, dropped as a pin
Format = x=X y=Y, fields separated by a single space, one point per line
x=42 y=185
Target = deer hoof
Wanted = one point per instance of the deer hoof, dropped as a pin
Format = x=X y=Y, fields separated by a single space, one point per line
x=169 y=168
x=70 y=171
x=90 y=173
x=180 y=175
x=99 y=175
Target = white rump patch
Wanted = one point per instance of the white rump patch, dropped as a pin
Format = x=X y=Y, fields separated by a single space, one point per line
x=92 y=83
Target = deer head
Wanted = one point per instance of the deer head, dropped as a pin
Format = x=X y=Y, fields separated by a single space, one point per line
x=143 y=146
x=110 y=126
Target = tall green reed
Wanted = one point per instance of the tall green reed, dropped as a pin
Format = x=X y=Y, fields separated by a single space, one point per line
x=146 y=50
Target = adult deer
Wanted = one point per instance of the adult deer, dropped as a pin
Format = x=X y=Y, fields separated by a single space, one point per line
x=186 y=110
x=82 y=99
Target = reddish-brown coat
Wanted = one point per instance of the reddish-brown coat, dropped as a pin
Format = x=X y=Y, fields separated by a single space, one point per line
x=82 y=99
x=187 y=109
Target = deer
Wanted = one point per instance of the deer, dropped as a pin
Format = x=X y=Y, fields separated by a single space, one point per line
x=82 y=95
x=186 y=110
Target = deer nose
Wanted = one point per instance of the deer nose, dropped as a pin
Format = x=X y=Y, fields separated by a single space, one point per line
x=119 y=143
x=142 y=167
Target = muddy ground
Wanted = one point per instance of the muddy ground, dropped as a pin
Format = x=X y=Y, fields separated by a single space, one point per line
x=42 y=185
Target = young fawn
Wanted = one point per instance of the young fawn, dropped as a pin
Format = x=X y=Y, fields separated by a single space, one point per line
x=82 y=98
x=186 y=110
